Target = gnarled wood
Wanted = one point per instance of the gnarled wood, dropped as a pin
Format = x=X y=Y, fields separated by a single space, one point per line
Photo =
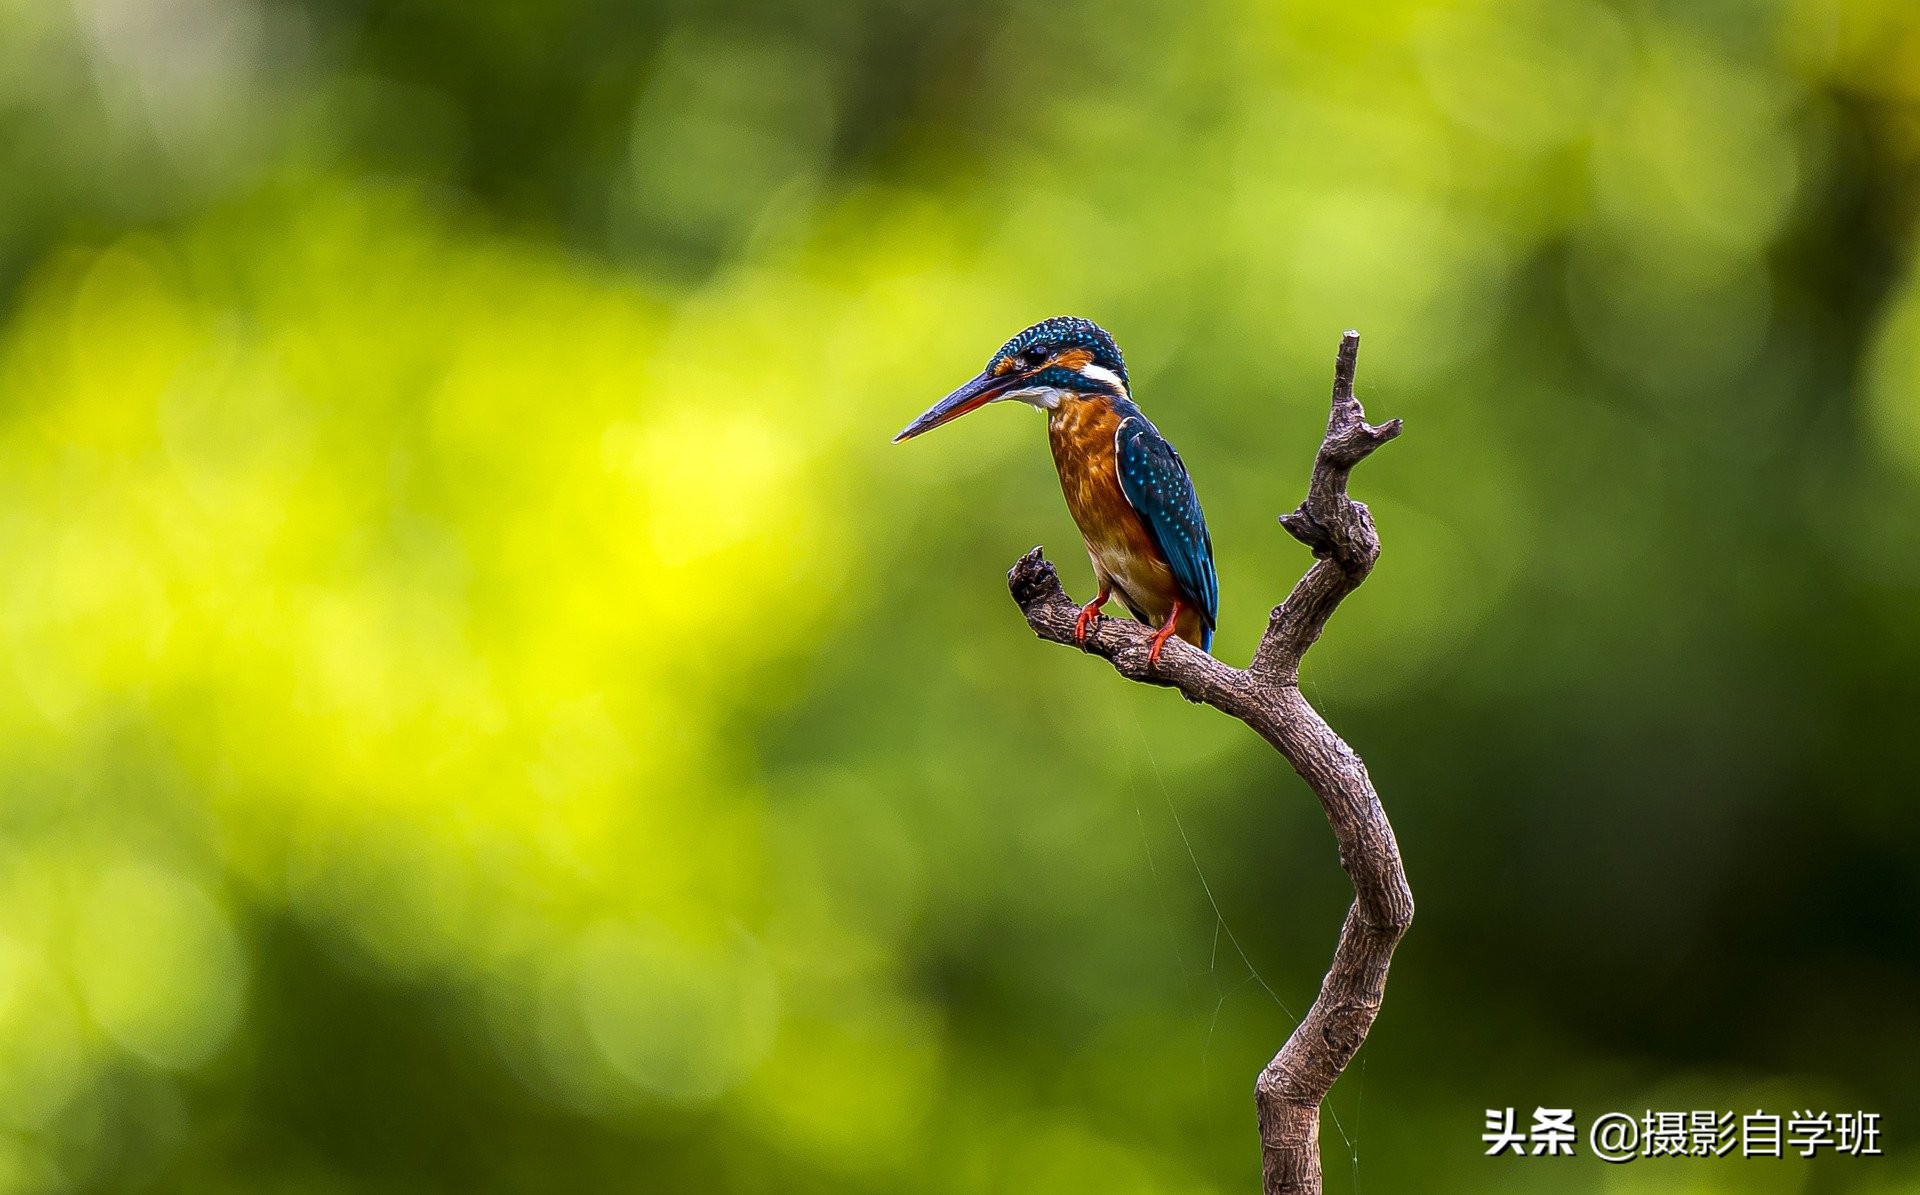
x=1266 y=696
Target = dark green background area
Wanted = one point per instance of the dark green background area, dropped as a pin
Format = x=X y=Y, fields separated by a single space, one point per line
x=485 y=708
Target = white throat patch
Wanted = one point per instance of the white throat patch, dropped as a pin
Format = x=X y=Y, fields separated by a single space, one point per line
x=1044 y=397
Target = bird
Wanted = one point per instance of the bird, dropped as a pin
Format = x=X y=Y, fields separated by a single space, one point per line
x=1125 y=486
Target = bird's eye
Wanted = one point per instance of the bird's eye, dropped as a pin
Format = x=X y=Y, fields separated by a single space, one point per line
x=1033 y=356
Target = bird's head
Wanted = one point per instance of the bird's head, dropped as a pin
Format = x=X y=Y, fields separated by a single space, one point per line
x=1052 y=361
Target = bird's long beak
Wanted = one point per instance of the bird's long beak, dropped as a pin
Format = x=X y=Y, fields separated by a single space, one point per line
x=975 y=394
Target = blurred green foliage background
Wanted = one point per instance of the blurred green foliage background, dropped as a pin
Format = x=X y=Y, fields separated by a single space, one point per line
x=484 y=707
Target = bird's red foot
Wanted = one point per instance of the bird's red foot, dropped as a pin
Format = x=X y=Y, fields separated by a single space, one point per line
x=1161 y=636
x=1089 y=614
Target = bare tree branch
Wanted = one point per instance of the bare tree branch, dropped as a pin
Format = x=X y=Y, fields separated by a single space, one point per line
x=1266 y=696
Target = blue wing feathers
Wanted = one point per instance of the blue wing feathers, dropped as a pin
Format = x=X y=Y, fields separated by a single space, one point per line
x=1156 y=484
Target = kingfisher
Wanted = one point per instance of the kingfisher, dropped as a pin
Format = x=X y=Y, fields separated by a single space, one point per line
x=1125 y=486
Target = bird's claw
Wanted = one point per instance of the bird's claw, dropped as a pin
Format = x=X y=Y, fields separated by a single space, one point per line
x=1089 y=618
x=1160 y=638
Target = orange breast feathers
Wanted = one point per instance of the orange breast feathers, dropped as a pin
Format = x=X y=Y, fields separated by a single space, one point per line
x=1125 y=557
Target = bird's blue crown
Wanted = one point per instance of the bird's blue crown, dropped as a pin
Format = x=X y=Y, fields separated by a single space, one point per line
x=1062 y=332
